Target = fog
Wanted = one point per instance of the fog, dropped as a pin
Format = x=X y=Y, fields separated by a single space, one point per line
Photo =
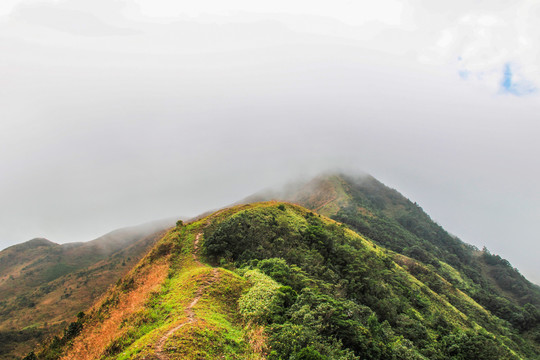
x=118 y=113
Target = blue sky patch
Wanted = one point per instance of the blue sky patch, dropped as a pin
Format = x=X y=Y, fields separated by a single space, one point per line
x=509 y=85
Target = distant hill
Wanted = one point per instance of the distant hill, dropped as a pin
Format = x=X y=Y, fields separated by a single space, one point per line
x=275 y=280
x=43 y=285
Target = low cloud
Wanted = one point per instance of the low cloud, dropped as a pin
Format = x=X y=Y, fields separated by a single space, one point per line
x=135 y=115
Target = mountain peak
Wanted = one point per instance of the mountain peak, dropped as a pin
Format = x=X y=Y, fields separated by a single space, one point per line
x=325 y=193
x=36 y=242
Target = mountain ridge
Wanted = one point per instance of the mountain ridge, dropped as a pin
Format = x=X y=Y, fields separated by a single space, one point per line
x=335 y=268
x=284 y=264
x=44 y=284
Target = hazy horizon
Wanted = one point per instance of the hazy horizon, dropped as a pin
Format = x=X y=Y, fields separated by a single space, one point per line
x=119 y=113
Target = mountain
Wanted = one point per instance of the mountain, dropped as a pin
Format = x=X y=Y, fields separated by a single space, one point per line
x=391 y=220
x=43 y=285
x=275 y=280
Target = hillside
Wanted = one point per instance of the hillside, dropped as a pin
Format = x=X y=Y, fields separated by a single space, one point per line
x=278 y=281
x=389 y=219
x=43 y=285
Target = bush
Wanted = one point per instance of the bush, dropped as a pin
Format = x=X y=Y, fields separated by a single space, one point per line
x=30 y=356
x=309 y=353
x=258 y=303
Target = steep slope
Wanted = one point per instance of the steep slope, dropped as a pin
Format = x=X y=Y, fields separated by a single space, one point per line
x=391 y=220
x=43 y=284
x=170 y=306
x=277 y=281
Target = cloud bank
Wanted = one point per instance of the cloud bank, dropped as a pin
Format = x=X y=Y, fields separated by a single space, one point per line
x=117 y=113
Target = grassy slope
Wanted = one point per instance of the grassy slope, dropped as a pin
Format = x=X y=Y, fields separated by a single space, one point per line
x=139 y=312
x=43 y=285
x=347 y=297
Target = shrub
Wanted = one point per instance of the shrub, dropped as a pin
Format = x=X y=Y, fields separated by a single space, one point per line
x=309 y=353
x=259 y=301
x=30 y=356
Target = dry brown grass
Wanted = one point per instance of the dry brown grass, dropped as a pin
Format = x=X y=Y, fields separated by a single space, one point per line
x=93 y=340
x=37 y=294
x=258 y=341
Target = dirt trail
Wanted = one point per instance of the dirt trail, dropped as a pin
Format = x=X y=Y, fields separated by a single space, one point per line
x=160 y=352
x=325 y=203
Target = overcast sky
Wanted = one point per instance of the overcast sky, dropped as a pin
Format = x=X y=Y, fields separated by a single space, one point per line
x=114 y=113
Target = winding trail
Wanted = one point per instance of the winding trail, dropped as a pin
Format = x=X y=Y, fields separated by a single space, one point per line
x=159 y=349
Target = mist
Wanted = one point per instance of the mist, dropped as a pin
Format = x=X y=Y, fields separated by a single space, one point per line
x=118 y=113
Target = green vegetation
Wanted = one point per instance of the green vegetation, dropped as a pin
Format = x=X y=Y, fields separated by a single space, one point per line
x=391 y=220
x=343 y=297
x=280 y=282
x=258 y=302
x=57 y=343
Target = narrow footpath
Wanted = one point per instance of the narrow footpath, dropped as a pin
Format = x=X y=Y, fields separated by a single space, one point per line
x=160 y=351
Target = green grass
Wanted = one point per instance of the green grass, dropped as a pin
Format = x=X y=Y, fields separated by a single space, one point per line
x=218 y=330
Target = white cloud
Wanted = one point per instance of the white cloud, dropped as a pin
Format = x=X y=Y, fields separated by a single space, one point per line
x=350 y=12
x=109 y=127
x=485 y=41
